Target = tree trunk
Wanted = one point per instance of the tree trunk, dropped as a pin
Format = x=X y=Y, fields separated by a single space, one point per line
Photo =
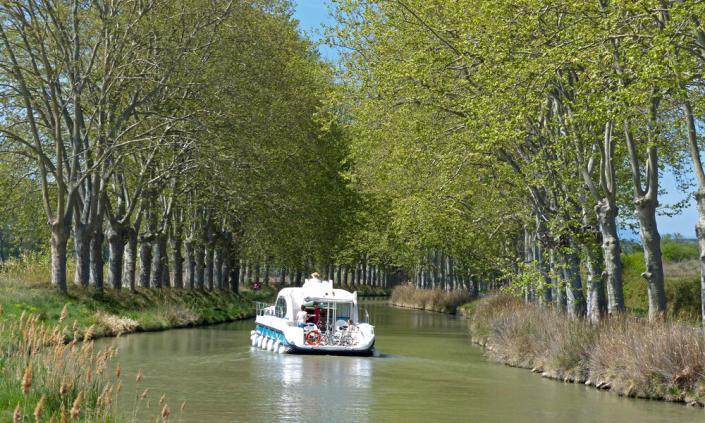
x=235 y=273
x=96 y=256
x=546 y=284
x=190 y=265
x=177 y=261
x=130 y=267
x=611 y=251
x=81 y=245
x=694 y=149
x=298 y=278
x=700 y=234
x=589 y=241
x=166 y=279
x=256 y=272
x=645 y=202
x=651 y=242
x=156 y=267
x=559 y=282
x=218 y=267
x=59 y=238
x=199 y=252
x=116 y=243
x=209 y=256
x=574 y=288
x=145 y=261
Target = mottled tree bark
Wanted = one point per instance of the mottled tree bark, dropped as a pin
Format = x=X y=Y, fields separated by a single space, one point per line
x=157 y=260
x=116 y=243
x=81 y=245
x=209 y=263
x=558 y=270
x=218 y=267
x=177 y=261
x=574 y=289
x=645 y=202
x=611 y=251
x=96 y=258
x=145 y=261
x=130 y=268
x=164 y=263
x=190 y=264
x=59 y=239
x=694 y=149
x=199 y=252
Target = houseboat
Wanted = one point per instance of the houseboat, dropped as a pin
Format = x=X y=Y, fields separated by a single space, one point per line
x=313 y=319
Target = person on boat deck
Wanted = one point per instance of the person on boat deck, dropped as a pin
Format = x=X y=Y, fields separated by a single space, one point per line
x=316 y=314
x=316 y=277
x=302 y=317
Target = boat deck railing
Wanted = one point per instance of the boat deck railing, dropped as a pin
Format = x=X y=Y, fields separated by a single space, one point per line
x=264 y=309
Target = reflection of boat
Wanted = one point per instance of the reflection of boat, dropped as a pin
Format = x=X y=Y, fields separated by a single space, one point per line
x=333 y=329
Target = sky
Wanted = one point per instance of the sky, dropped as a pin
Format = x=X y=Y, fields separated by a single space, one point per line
x=313 y=15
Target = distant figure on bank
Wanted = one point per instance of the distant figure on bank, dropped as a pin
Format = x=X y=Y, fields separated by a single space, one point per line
x=301 y=317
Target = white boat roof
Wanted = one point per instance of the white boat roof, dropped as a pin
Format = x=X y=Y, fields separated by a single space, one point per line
x=318 y=290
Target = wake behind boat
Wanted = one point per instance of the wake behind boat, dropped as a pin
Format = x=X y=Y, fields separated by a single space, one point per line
x=327 y=322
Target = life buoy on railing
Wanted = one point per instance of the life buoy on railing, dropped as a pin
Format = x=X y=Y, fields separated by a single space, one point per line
x=313 y=337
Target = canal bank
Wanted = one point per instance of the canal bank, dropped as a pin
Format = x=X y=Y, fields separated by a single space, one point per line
x=660 y=360
x=426 y=369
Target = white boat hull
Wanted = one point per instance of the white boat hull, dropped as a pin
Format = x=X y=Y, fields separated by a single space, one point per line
x=279 y=335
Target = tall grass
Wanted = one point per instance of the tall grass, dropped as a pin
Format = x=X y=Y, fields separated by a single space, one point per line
x=429 y=299
x=44 y=378
x=659 y=360
x=30 y=269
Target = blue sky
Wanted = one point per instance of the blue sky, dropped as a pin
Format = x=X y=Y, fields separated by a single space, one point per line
x=313 y=14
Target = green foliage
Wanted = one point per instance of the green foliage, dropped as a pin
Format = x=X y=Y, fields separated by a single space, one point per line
x=678 y=249
x=682 y=282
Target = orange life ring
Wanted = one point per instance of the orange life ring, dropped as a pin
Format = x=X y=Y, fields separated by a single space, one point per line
x=313 y=337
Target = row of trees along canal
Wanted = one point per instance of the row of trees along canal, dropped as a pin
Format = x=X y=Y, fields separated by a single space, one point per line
x=515 y=137
x=188 y=136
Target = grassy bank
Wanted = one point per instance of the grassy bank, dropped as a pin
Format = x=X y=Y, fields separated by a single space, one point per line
x=662 y=360
x=45 y=371
x=117 y=312
x=429 y=299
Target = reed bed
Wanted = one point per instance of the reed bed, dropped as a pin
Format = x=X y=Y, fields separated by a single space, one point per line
x=662 y=360
x=429 y=299
x=42 y=378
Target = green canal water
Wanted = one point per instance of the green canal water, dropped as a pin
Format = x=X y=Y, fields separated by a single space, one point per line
x=425 y=370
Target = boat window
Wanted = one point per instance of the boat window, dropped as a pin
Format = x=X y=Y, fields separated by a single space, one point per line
x=280 y=307
x=343 y=311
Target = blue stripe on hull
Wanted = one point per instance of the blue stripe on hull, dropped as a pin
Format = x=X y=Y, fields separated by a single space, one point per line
x=272 y=333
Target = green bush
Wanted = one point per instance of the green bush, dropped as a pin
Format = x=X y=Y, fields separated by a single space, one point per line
x=679 y=250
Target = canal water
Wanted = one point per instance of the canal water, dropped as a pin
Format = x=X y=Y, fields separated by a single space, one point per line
x=425 y=370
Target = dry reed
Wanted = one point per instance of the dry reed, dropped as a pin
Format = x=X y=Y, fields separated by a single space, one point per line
x=658 y=360
x=429 y=299
x=43 y=374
